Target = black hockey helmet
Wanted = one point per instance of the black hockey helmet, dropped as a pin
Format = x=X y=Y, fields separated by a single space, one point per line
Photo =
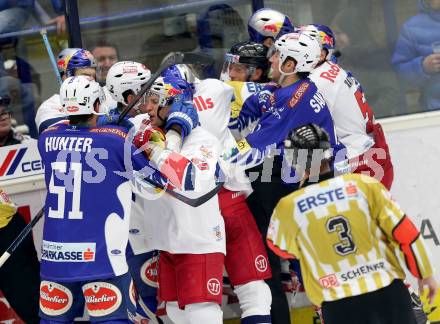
x=307 y=137
x=251 y=53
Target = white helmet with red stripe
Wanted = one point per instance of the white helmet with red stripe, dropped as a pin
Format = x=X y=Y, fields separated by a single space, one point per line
x=79 y=95
x=126 y=76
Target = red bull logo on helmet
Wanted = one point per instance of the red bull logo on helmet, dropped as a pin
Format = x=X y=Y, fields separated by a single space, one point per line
x=62 y=63
x=272 y=29
x=326 y=39
x=171 y=91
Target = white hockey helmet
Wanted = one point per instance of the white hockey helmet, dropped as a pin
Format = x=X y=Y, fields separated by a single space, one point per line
x=79 y=94
x=267 y=22
x=124 y=76
x=304 y=49
x=310 y=30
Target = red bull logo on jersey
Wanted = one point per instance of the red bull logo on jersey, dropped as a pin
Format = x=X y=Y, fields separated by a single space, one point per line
x=68 y=252
x=55 y=299
x=331 y=73
x=149 y=272
x=102 y=298
x=202 y=103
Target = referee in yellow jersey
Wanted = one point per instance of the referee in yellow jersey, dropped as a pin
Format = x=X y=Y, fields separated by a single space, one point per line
x=350 y=238
x=20 y=275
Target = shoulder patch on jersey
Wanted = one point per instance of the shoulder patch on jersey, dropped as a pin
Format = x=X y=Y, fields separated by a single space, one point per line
x=108 y=130
x=243 y=146
x=298 y=93
x=51 y=129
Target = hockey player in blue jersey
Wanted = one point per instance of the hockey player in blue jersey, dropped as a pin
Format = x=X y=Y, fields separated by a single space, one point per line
x=86 y=213
x=87 y=173
x=281 y=106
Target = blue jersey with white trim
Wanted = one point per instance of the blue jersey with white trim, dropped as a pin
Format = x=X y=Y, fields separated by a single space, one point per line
x=87 y=174
x=280 y=110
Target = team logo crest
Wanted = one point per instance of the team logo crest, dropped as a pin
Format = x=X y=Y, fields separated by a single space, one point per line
x=149 y=272
x=55 y=299
x=102 y=298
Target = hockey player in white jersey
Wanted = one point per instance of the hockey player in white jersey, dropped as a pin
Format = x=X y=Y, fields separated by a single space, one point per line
x=356 y=127
x=124 y=80
x=246 y=259
x=71 y=62
x=191 y=239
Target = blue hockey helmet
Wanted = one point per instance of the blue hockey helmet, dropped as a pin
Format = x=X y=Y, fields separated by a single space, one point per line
x=180 y=71
x=79 y=59
x=170 y=89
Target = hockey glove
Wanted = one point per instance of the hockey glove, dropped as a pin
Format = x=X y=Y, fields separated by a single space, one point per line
x=149 y=138
x=183 y=114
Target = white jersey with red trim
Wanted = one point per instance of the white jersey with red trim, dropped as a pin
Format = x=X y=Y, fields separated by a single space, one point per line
x=176 y=227
x=213 y=99
x=50 y=110
x=348 y=107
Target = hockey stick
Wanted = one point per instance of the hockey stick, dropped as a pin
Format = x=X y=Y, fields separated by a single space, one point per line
x=5 y=256
x=171 y=59
x=193 y=202
x=53 y=62
x=153 y=318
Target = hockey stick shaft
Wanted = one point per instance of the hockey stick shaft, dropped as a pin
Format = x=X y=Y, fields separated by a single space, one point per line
x=150 y=314
x=20 y=237
x=53 y=62
x=193 y=202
